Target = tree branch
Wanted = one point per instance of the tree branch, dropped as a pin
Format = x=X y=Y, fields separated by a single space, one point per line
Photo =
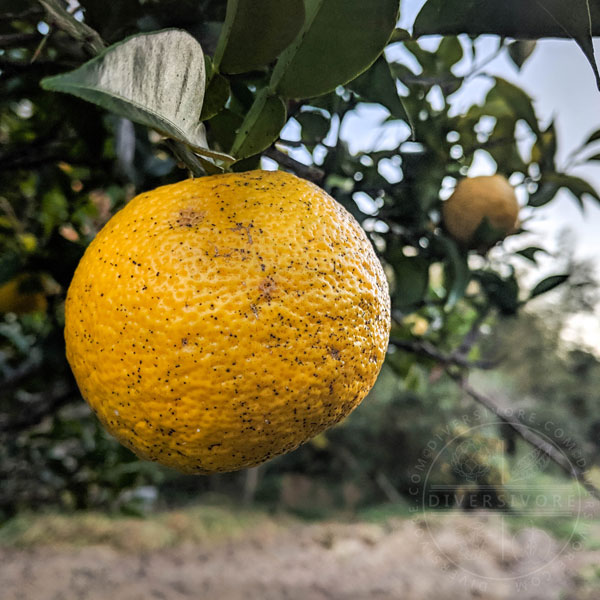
x=10 y=40
x=23 y=159
x=456 y=358
x=59 y=16
x=16 y=16
x=313 y=174
x=529 y=436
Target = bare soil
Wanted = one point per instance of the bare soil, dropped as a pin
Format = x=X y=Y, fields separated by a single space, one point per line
x=455 y=557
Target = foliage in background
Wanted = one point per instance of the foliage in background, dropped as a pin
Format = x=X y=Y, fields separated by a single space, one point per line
x=66 y=165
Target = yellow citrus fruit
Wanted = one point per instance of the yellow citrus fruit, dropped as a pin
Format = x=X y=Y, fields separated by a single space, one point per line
x=16 y=297
x=218 y=322
x=476 y=199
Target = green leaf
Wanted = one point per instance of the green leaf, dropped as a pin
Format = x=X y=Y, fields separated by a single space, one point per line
x=548 y=284
x=486 y=235
x=545 y=193
x=412 y=280
x=520 y=50
x=458 y=274
x=544 y=149
x=261 y=127
x=155 y=79
x=594 y=137
x=520 y=103
x=399 y=35
x=530 y=252
x=255 y=32
x=503 y=293
x=217 y=94
x=315 y=126
x=578 y=187
x=224 y=126
x=378 y=85
x=502 y=146
x=522 y=19
x=552 y=182
x=339 y=40
x=450 y=51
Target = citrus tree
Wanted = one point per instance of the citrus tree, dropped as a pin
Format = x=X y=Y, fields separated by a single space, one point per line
x=99 y=104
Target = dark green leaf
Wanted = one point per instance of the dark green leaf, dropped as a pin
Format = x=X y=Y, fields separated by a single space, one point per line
x=261 y=127
x=486 y=235
x=519 y=102
x=217 y=94
x=594 y=137
x=155 y=79
x=552 y=182
x=412 y=280
x=579 y=188
x=458 y=274
x=399 y=35
x=339 y=40
x=545 y=193
x=523 y=19
x=315 y=126
x=378 y=85
x=256 y=32
x=520 y=50
x=529 y=253
x=223 y=128
x=503 y=293
x=503 y=148
x=450 y=51
x=544 y=149
x=548 y=284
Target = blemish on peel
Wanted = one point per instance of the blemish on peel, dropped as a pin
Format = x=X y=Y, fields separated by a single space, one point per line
x=190 y=217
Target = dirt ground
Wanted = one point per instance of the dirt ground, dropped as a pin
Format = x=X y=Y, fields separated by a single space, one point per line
x=457 y=557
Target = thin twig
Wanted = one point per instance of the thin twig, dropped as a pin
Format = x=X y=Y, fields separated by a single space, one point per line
x=10 y=40
x=41 y=45
x=25 y=159
x=471 y=338
x=59 y=16
x=529 y=436
x=457 y=358
x=476 y=70
x=313 y=174
x=17 y=16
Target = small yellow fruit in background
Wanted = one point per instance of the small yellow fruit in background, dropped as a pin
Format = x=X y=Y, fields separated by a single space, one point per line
x=17 y=297
x=218 y=322
x=476 y=199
